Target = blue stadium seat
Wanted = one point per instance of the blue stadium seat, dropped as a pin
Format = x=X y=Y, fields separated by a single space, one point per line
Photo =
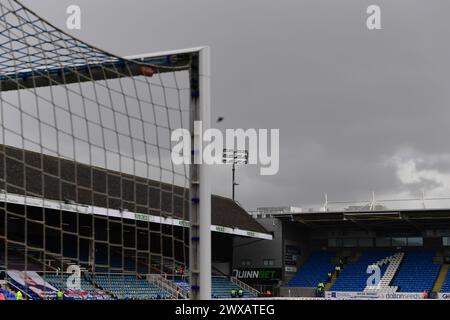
x=183 y=285
x=417 y=272
x=446 y=285
x=130 y=287
x=8 y=294
x=221 y=287
x=29 y=292
x=354 y=276
x=314 y=270
x=87 y=290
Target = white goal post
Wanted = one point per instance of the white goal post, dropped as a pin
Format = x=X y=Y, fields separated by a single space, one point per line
x=200 y=232
x=200 y=186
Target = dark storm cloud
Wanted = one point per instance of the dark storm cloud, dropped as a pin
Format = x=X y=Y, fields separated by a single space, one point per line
x=346 y=100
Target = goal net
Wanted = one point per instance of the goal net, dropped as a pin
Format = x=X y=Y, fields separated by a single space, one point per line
x=86 y=175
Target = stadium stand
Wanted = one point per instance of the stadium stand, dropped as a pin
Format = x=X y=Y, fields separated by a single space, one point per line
x=130 y=287
x=446 y=285
x=354 y=276
x=314 y=270
x=417 y=272
x=412 y=271
x=183 y=284
x=7 y=295
x=388 y=269
x=88 y=289
x=221 y=287
x=27 y=292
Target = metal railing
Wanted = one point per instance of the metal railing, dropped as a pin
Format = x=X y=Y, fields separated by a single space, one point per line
x=162 y=282
x=245 y=286
x=16 y=289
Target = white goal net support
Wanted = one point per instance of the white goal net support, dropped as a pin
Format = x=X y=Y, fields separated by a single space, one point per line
x=86 y=175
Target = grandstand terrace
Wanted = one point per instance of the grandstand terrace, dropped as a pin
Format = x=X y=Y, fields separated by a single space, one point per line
x=114 y=225
x=411 y=247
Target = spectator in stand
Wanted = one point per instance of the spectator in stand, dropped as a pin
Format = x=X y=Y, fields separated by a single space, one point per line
x=2 y=296
x=318 y=292
x=233 y=293
x=19 y=295
x=240 y=293
x=338 y=270
x=425 y=294
x=320 y=289
x=268 y=293
x=329 y=276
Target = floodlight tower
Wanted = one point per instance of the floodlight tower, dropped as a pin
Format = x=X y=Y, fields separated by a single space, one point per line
x=235 y=157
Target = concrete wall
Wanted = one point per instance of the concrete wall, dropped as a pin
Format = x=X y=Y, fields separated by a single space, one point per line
x=297 y=236
x=259 y=250
x=285 y=234
x=297 y=292
x=221 y=267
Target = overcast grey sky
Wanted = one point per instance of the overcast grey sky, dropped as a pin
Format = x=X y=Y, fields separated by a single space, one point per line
x=358 y=110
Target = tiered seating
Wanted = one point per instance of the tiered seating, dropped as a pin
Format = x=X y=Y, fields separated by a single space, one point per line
x=27 y=291
x=221 y=287
x=87 y=291
x=8 y=295
x=314 y=270
x=417 y=272
x=446 y=285
x=183 y=285
x=130 y=287
x=354 y=276
x=388 y=268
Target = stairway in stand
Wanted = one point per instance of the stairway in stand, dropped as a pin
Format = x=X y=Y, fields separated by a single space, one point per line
x=330 y=284
x=352 y=258
x=441 y=277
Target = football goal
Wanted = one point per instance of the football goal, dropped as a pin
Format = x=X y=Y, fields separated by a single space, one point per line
x=85 y=149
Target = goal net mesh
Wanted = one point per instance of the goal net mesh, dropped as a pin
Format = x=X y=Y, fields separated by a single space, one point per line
x=86 y=175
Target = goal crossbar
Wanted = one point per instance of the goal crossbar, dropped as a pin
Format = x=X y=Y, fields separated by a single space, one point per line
x=113 y=68
x=35 y=54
